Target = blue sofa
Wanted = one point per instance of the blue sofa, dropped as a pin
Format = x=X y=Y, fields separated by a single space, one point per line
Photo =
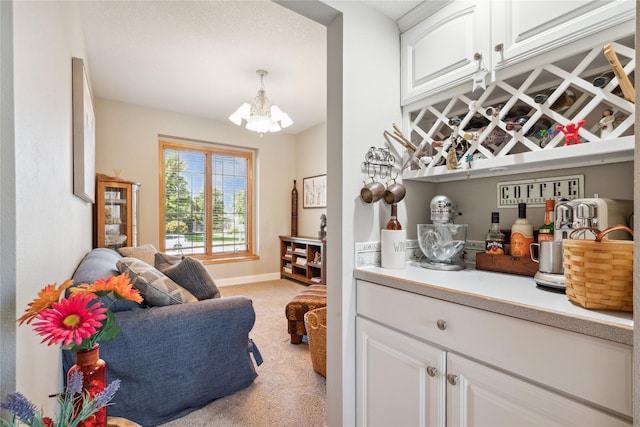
x=173 y=359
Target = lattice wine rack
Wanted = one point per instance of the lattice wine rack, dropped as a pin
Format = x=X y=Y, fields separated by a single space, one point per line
x=511 y=127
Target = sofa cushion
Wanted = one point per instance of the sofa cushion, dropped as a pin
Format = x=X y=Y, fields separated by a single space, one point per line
x=164 y=260
x=191 y=274
x=145 y=253
x=156 y=288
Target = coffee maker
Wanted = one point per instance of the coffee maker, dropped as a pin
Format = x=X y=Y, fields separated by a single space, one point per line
x=597 y=213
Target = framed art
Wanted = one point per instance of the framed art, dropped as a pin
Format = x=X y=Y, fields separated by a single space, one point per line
x=314 y=192
x=84 y=134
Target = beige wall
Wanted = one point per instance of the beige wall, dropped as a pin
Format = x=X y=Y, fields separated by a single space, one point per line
x=310 y=160
x=127 y=139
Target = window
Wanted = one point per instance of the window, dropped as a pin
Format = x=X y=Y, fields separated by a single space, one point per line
x=206 y=202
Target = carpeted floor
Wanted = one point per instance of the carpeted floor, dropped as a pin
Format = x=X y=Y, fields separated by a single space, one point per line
x=287 y=392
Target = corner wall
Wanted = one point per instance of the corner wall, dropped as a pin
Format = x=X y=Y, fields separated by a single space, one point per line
x=310 y=160
x=52 y=226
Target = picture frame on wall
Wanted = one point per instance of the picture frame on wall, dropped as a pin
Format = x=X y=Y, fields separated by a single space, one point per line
x=84 y=134
x=314 y=191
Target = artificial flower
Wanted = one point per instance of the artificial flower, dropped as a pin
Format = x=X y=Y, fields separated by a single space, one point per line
x=119 y=285
x=71 y=320
x=46 y=297
x=77 y=322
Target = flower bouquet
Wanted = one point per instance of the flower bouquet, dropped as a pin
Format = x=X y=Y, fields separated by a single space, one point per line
x=78 y=322
x=76 y=405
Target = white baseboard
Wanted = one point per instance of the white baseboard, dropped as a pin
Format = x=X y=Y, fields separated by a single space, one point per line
x=230 y=281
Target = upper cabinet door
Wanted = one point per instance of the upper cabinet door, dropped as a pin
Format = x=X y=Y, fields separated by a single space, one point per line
x=439 y=52
x=523 y=29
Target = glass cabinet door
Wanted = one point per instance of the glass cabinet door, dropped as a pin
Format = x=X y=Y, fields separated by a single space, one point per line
x=115 y=217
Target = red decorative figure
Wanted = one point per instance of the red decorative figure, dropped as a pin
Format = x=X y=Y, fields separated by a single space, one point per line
x=571 y=132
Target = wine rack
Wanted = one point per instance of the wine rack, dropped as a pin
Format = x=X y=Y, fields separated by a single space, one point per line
x=503 y=130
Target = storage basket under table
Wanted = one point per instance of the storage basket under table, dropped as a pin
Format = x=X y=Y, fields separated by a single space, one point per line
x=316 y=324
x=599 y=273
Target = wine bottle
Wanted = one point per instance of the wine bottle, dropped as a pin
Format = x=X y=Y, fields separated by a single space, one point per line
x=603 y=80
x=521 y=233
x=546 y=231
x=393 y=242
x=393 y=223
x=494 y=241
x=561 y=104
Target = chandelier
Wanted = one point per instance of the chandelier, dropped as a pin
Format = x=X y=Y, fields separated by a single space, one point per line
x=261 y=116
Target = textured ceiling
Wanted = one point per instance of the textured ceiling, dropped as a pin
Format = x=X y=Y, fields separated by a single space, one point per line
x=199 y=58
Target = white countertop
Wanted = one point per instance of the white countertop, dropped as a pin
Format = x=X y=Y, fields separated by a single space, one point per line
x=512 y=295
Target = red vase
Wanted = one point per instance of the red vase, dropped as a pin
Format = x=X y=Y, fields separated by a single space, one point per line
x=94 y=380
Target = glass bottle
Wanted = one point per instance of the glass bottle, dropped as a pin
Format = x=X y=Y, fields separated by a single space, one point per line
x=561 y=104
x=494 y=241
x=546 y=231
x=94 y=381
x=521 y=233
x=393 y=223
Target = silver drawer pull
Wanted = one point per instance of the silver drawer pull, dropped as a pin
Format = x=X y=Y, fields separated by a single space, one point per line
x=453 y=379
x=442 y=325
x=431 y=371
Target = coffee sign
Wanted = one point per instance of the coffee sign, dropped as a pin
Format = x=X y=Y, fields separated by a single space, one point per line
x=534 y=192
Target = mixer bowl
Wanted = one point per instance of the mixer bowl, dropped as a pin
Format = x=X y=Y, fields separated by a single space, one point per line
x=442 y=245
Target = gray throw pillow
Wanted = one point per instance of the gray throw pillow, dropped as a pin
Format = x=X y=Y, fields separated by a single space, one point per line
x=193 y=276
x=164 y=260
x=156 y=288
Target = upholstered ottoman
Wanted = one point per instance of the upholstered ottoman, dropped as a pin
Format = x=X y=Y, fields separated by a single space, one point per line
x=315 y=296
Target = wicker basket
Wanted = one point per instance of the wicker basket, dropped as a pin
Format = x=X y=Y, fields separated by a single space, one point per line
x=315 y=321
x=599 y=274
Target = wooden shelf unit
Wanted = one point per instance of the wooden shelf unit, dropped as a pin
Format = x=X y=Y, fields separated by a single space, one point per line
x=298 y=256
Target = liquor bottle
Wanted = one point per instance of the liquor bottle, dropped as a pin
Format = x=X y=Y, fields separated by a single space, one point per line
x=494 y=241
x=521 y=233
x=546 y=231
x=393 y=223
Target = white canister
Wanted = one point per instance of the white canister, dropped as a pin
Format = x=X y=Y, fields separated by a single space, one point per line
x=392 y=248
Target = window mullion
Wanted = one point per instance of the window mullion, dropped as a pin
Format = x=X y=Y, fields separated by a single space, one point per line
x=208 y=188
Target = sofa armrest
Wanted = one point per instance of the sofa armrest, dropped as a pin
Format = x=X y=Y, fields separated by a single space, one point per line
x=174 y=359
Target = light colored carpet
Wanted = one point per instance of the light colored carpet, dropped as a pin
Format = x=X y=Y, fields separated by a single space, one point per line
x=287 y=392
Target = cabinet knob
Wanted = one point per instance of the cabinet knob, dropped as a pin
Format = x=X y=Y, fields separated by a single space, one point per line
x=453 y=379
x=442 y=325
x=431 y=371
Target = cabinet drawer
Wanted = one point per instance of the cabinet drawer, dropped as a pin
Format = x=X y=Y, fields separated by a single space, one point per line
x=589 y=368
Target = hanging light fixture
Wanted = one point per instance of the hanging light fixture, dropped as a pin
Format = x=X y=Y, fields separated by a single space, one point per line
x=260 y=115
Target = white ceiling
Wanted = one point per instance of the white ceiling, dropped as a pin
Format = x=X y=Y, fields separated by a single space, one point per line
x=200 y=57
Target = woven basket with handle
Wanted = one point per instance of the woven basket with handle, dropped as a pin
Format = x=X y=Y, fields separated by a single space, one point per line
x=599 y=273
x=315 y=321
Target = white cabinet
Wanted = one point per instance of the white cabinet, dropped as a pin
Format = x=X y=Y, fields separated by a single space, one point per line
x=523 y=29
x=498 y=370
x=439 y=52
x=482 y=396
x=400 y=380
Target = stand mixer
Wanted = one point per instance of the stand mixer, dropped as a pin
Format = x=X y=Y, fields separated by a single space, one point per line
x=442 y=242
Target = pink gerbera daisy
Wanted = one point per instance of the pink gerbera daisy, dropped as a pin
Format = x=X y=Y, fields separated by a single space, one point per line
x=70 y=320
